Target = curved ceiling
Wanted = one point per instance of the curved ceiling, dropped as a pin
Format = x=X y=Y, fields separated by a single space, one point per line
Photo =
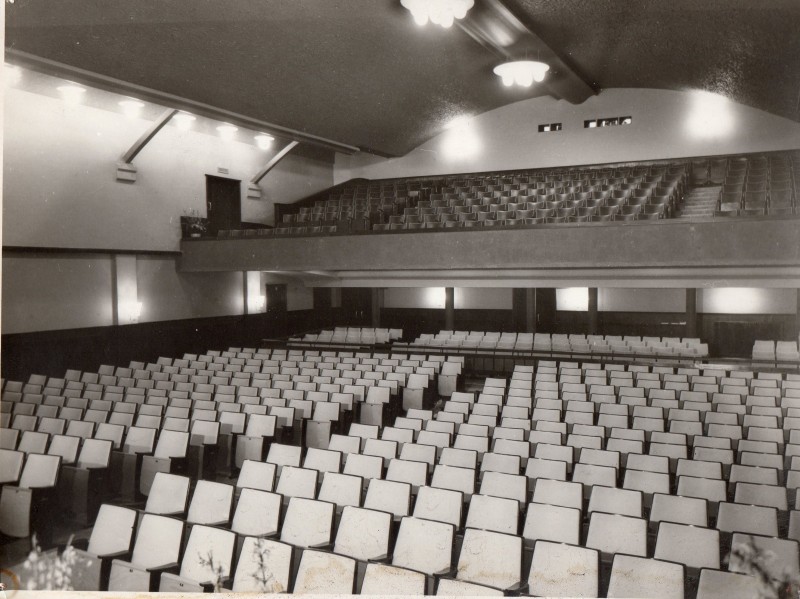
x=362 y=73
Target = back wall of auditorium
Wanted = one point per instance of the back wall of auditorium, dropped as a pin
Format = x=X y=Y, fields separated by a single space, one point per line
x=78 y=244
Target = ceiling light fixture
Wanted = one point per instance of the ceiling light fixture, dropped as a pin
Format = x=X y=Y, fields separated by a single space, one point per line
x=72 y=93
x=264 y=141
x=227 y=132
x=438 y=12
x=131 y=108
x=183 y=120
x=521 y=72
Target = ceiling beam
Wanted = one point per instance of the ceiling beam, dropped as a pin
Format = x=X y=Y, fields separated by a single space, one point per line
x=494 y=26
x=58 y=69
x=148 y=135
x=273 y=162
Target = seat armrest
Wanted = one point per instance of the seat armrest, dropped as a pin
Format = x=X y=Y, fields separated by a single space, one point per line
x=117 y=555
x=175 y=567
x=323 y=546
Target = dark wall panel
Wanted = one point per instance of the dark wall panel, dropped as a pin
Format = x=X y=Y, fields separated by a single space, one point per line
x=53 y=352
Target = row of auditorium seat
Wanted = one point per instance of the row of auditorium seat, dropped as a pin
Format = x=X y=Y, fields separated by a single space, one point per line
x=776 y=351
x=357 y=335
x=572 y=343
x=459 y=516
x=759 y=185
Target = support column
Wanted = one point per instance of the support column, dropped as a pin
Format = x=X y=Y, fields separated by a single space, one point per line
x=377 y=303
x=449 y=308
x=530 y=310
x=592 y=311
x=691 y=313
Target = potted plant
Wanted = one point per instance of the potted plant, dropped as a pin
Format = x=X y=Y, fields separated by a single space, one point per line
x=192 y=224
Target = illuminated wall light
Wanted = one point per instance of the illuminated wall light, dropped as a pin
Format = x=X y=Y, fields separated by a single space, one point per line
x=184 y=120
x=710 y=115
x=460 y=140
x=264 y=141
x=434 y=297
x=130 y=312
x=131 y=108
x=256 y=303
x=227 y=132
x=72 y=94
x=572 y=299
x=740 y=300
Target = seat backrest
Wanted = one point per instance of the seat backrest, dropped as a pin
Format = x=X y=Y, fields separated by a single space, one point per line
x=172 y=444
x=297 y=482
x=308 y=522
x=424 y=545
x=256 y=475
x=454 y=478
x=40 y=471
x=158 y=541
x=168 y=494
x=323 y=460
x=560 y=570
x=211 y=503
x=442 y=505
x=263 y=566
x=95 y=453
x=204 y=543
x=64 y=446
x=341 y=489
x=257 y=513
x=327 y=573
x=139 y=440
x=390 y=496
x=640 y=577
x=33 y=442
x=500 y=484
x=260 y=425
x=351 y=540
x=490 y=558
x=493 y=514
x=10 y=465
x=363 y=465
x=113 y=530
x=612 y=533
x=284 y=455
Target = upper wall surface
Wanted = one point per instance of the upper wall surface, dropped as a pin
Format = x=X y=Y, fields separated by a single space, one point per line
x=60 y=190
x=666 y=124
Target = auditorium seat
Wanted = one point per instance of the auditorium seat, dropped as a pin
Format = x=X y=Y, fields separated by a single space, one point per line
x=263 y=565
x=157 y=547
x=207 y=561
x=563 y=570
x=633 y=576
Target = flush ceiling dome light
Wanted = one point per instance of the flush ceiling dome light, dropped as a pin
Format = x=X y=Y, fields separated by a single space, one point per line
x=521 y=72
x=227 y=132
x=264 y=141
x=438 y=12
x=183 y=120
x=71 y=93
x=131 y=108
